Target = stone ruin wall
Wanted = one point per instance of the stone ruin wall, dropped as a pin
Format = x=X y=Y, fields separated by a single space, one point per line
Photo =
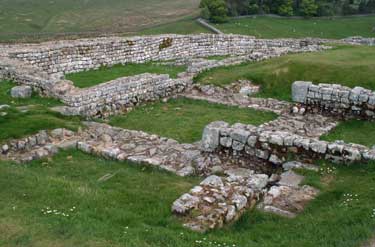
x=122 y=93
x=276 y=146
x=74 y=56
x=335 y=100
x=43 y=66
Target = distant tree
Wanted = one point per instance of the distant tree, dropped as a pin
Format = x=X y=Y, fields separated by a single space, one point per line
x=205 y=13
x=215 y=10
x=362 y=9
x=371 y=6
x=286 y=8
x=253 y=7
x=308 y=8
x=349 y=8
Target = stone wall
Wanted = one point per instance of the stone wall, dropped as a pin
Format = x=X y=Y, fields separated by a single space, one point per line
x=73 y=56
x=276 y=146
x=335 y=99
x=358 y=40
x=122 y=93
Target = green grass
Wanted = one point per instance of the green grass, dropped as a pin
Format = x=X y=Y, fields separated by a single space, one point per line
x=347 y=65
x=268 y=27
x=132 y=208
x=104 y=74
x=20 y=16
x=185 y=26
x=184 y=119
x=28 y=116
x=354 y=131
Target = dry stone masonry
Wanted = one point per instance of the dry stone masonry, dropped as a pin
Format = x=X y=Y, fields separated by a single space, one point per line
x=275 y=146
x=43 y=66
x=243 y=165
x=335 y=99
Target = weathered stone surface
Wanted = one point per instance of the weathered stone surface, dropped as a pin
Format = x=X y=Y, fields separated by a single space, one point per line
x=288 y=201
x=300 y=90
x=211 y=135
x=299 y=165
x=290 y=179
x=21 y=92
x=337 y=100
x=219 y=200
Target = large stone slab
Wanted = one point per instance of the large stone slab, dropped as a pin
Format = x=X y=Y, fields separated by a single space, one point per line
x=21 y=92
x=300 y=90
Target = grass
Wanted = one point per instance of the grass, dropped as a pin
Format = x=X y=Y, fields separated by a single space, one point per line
x=28 y=116
x=19 y=17
x=347 y=65
x=184 y=119
x=185 y=26
x=269 y=27
x=132 y=208
x=354 y=131
x=104 y=74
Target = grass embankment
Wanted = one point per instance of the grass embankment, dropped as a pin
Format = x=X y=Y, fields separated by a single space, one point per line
x=347 y=65
x=104 y=74
x=132 y=208
x=28 y=116
x=270 y=27
x=184 y=119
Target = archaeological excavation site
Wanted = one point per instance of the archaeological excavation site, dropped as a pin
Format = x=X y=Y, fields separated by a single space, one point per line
x=239 y=153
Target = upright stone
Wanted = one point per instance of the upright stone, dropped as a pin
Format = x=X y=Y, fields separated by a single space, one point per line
x=300 y=90
x=211 y=135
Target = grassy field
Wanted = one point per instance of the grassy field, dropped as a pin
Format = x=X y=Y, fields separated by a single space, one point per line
x=28 y=116
x=355 y=131
x=184 y=119
x=351 y=66
x=29 y=16
x=185 y=26
x=132 y=209
x=104 y=74
x=269 y=27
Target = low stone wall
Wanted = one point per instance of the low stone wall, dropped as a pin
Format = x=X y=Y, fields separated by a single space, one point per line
x=121 y=94
x=358 y=40
x=73 y=56
x=275 y=146
x=335 y=99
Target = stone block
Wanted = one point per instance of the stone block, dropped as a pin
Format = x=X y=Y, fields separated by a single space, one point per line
x=21 y=92
x=300 y=90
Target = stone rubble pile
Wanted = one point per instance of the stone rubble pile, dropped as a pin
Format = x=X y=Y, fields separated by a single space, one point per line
x=287 y=197
x=219 y=200
x=275 y=146
x=308 y=125
x=335 y=100
x=236 y=94
x=38 y=146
